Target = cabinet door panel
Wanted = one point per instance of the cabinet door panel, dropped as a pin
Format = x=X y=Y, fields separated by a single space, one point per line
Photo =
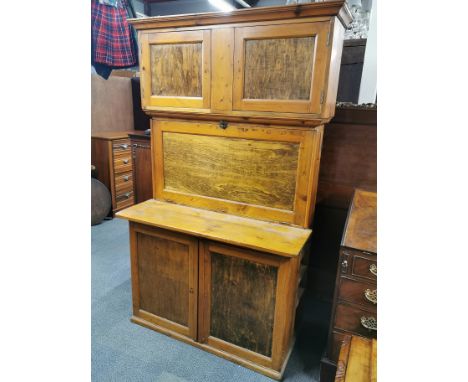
x=165 y=277
x=176 y=69
x=280 y=68
x=243 y=295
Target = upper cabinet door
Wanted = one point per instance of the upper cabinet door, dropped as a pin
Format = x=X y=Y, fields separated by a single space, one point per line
x=281 y=68
x=175 y=69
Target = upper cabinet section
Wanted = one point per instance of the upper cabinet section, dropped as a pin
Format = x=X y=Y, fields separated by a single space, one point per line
x=271 y=64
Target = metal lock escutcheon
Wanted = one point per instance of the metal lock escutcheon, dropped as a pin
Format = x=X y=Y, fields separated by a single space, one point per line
x=223 y=124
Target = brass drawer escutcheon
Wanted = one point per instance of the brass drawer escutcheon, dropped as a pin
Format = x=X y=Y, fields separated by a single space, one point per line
x=373 y=269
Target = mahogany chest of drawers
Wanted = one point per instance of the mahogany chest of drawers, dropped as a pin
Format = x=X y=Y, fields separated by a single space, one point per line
x=112 y=155
x=354 y=309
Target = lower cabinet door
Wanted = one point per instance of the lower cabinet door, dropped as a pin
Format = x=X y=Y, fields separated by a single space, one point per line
x=245 y=303
x=164 y=269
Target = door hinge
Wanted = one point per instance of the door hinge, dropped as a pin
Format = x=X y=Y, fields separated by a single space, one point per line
x=322 y=97
x=328 y=38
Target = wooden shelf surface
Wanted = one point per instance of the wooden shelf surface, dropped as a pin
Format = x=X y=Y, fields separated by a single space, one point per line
x=259 y=235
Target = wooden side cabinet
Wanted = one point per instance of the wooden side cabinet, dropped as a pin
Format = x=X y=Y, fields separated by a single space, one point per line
x=111 y=154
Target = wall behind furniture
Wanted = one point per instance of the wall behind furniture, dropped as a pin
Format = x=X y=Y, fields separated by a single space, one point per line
x=111 y=104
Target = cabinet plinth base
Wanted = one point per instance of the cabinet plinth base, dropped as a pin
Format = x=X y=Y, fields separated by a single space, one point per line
x=275 y=374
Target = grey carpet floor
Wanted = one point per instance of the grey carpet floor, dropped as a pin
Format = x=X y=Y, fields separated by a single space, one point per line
x=123 y=351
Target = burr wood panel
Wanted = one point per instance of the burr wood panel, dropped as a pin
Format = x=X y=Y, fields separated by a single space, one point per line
x=279 y=68
x=242 y=170
x=163 y=271
x=243 y=302
x=164 y=278
x=176 y=69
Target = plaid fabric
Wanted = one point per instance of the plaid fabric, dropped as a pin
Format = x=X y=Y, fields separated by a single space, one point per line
x=111 y=36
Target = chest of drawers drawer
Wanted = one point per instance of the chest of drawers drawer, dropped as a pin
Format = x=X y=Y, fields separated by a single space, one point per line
x=123 y=181
x=363 y=267
x=122 y=163
x=357 y=292
x=356 y=320
x=121 y=146
x=359 y=264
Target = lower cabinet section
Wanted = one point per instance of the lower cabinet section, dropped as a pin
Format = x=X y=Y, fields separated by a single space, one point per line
x=237 y=303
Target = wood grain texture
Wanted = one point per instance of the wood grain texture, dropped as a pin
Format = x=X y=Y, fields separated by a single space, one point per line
x=243 y=170
x=361 y=226
x=222 y=73
x=176 y=69
x=163 y=271
x=269 y=237
x=358 y=360
x=243 y=302
x=279 y=68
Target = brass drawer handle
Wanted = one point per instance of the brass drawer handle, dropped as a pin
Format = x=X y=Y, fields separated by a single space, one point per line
x=344 y=266
x=371 y=295
x=373 y=269
x=127 y=195
x=125 y=161
x=369 y=322
x=124 y=146
x=126 y=178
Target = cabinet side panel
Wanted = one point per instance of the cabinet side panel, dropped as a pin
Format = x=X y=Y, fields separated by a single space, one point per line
x=163 y=273
x=243 y=302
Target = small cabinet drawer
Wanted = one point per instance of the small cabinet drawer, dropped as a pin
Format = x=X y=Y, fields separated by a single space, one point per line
x=124 y=199
x=364 y=267
x=122 y=163
x=121 y=146
x=356 y=320
x=123 y=188
x=357 y=292
x=123 y=180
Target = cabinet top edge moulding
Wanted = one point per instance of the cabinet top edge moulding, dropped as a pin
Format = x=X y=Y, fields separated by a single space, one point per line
x=271 y=65
x=279 y=12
